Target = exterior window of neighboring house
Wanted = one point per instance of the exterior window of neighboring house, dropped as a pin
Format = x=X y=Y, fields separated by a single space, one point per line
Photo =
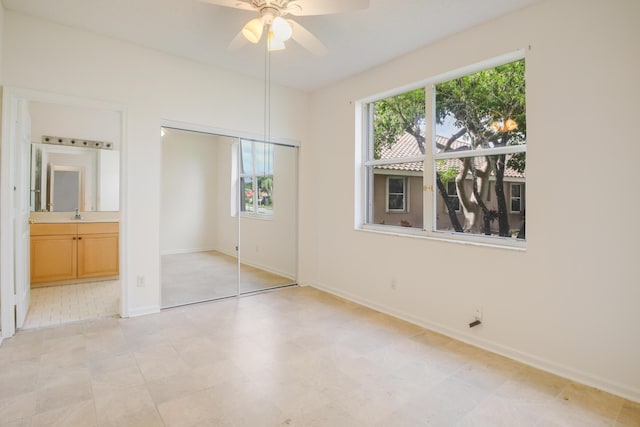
x=516 y=198
x=256 y=178
x=396 y=194
x=452 y=193
x=468 y=127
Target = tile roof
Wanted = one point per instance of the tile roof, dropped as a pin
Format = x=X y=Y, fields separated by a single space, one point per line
x=407 y=147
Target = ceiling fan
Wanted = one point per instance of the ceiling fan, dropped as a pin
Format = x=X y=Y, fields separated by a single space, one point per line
x=279 y=30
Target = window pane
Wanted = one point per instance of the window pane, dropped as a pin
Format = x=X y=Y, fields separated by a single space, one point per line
x=515 y=205
x=515 y=190
x=402 y=208
x=264 y=158
x=396 y=185
x=482 y=110
x=247 y=158
x=265 y=195
x=246 y=185
x=481 y=212
x=452 y=192
x=398 y=127
x=396 y=201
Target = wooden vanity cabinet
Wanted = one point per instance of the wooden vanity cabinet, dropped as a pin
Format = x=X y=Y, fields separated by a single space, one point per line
x=71 y=251
x=97 y=249
x=53 y=252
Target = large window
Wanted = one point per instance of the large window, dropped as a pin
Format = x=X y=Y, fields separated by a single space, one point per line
x=464 y=139
x=256 y=178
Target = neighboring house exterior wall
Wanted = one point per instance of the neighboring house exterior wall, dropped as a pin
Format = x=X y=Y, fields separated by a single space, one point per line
x=412 y=216
x=515 y=218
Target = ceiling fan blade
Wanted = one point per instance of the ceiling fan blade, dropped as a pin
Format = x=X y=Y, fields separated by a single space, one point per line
x=238 y=41
x=236 y=4
x=325 y=7
x=307 y=40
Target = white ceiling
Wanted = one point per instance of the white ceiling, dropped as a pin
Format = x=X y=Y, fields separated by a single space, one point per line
x=192 y=29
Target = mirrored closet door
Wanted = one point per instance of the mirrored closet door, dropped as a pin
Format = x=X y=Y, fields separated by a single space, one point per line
x=229 y=216
x=268 y=179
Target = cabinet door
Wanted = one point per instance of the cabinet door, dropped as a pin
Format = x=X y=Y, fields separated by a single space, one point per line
x=97 y=255
x=53 y=258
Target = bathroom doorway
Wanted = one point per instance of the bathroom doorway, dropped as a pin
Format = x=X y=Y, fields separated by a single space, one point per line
x=65 y=151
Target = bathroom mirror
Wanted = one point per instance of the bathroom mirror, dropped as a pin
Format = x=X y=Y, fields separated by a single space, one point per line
x=64 y=178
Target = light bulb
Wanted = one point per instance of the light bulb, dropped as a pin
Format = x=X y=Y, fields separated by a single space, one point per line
x=252 y=30
x=281 y=29
x=274 y=43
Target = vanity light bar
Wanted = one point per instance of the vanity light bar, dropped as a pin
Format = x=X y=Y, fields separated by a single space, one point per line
x=74 y=142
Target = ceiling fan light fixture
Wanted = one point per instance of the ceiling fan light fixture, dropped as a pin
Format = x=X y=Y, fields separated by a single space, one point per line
x=252 y=31
x=281 y=29
x=274 y=43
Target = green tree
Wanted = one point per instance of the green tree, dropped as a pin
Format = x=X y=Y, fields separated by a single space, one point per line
x=489 y=107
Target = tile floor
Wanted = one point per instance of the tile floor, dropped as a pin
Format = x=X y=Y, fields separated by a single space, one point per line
x=55 y=305
x=292 y=357
x=203 y=276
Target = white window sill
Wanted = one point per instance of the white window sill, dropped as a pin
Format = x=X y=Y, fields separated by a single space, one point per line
x=261 y=217
x=446 y=236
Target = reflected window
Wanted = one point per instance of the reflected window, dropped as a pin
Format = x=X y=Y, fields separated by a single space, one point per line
x=256 y=178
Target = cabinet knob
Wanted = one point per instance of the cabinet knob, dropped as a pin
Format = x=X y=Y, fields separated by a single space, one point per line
x=79 y=238
x=74 y=238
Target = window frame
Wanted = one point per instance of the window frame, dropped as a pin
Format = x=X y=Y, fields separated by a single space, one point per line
x=364 y=146
x=405 y=194
x=512 y=198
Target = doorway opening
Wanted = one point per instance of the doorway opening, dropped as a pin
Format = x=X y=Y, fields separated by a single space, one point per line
x=61 y=210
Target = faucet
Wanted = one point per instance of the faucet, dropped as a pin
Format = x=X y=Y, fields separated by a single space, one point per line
x=77 y=214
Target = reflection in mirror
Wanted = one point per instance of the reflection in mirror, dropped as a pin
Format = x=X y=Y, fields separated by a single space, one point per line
x=198 y=236
x=67 y=178
x=216 y=190
x=268 y=238
x=65 y=189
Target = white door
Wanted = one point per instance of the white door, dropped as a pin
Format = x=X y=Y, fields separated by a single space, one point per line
x=22 y=196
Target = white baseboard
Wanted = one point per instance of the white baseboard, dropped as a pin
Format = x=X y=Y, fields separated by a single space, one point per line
x=142 y=311
x=186 y=251
x=526 y=358
x=262 y=267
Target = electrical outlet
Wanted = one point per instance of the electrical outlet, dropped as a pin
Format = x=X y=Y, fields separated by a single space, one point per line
x=477 y=312
x=140 y=281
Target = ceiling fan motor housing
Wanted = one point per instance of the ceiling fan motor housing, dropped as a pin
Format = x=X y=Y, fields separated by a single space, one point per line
x=273 y=4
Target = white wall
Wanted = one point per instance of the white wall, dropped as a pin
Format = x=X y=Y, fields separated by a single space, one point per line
x=1 y=40
x=74 y=122
x=570 y=302
x=188 y=213
x=227 y=224
x=152 y=86
x=108 y=180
